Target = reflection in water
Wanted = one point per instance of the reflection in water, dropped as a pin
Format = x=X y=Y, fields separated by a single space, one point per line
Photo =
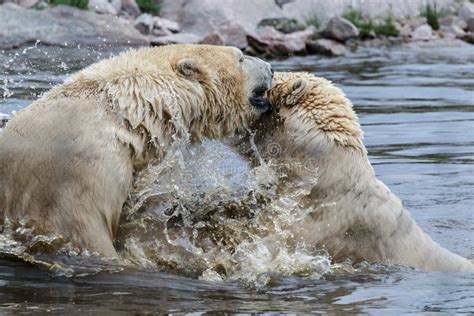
x=416 y=109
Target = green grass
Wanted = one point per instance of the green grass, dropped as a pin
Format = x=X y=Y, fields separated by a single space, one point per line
x=148 y=6
x=386 y=28
x=432 y=15
x=367 y=26
x=314 y=21
x=81 y=4
x=353 y=16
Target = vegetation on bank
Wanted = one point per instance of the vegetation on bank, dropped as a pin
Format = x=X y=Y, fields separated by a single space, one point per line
x=314 y=21
x=368 y=27
x=432 y=15
x=148 y=6
x=81 y=4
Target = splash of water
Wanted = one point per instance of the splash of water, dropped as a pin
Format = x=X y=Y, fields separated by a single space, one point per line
x=204 y=213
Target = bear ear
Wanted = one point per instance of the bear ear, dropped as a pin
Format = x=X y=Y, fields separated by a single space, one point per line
x=300 y=86
x=188 y=68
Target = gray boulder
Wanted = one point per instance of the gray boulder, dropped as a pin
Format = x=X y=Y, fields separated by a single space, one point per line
x=165 y=24
x=470 y=25
x=453 y=30
x=339 y=29
x=469 y=37
x=422 y=33
x=326 y=47
x=410 y=25
x=212 y=39
x=283 y=25
x=231 y=21
x=130 y=9
x=466 y=11
x=64 y=25
x=270 y=41
x=148 y=24
x=453 y=20
x=144 y=23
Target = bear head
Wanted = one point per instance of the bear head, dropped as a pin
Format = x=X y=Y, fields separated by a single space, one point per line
x=313 y=113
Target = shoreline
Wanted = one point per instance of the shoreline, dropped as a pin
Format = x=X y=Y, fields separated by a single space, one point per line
x=277 y=35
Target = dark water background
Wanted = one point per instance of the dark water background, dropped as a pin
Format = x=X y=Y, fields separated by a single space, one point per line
x=416 y=107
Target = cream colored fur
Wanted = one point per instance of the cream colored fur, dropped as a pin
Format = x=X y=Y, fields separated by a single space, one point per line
x=354 y=215
x=67 y=160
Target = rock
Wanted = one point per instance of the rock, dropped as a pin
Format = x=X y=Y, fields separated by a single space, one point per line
x=179 y=38
x=466 y=11
x=422 y=33
x=455 y=30
x=339 y=29
x=270 y=41
x=283 y=25
x=405 y=30
x=470 y=25
x=415 y=22
x=42 y=5
x=469 y=37
x=130 y=7
x=232 y=21
x=145 y=23
x=162 y=23
x=213 y=39
x=453 y=20
x=102 y=7
x=148 y=24
x=64 y=25
x=411 y=25
x=326 y=47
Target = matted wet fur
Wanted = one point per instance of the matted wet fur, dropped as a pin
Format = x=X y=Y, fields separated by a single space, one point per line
x=67 y=160
x=354 y=215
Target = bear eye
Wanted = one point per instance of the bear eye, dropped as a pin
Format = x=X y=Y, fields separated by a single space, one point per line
x=241 y=59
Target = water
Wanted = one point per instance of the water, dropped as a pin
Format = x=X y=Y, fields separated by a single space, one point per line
x=416 y=109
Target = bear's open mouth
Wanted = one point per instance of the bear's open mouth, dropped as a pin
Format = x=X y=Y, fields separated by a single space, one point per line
x=259 y=101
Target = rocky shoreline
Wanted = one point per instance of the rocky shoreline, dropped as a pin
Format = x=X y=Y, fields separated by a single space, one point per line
x=270 y=28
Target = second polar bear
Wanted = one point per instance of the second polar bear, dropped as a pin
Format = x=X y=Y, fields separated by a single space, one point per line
x=354 y=215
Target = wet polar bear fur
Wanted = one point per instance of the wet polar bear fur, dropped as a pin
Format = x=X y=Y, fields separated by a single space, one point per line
x=67 y=161
x=355 y=216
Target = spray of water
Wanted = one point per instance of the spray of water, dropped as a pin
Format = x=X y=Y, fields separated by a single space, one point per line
x=204 y=213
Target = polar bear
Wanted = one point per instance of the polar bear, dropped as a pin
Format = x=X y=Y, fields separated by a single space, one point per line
x=354 y=215
x=67 y=161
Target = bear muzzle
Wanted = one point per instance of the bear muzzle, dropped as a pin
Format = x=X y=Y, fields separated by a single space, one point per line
x=259 y=101
x=262 y=73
